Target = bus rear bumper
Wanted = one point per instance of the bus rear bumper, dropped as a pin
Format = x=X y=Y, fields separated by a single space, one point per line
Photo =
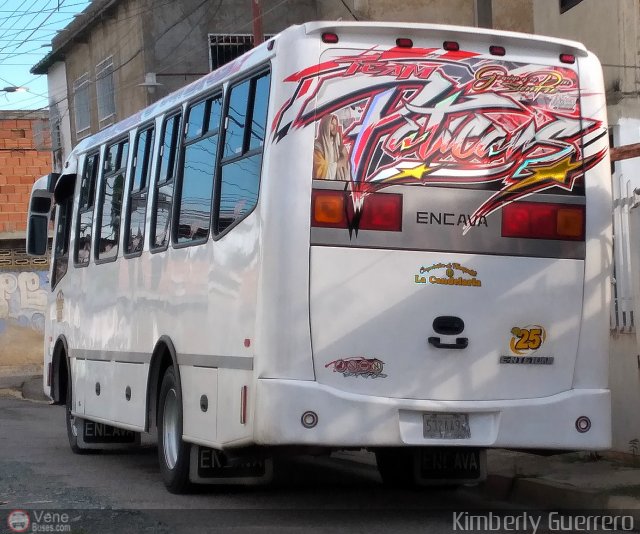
x=352 y=420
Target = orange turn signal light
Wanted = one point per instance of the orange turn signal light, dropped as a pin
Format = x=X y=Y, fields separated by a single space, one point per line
x=328 y=208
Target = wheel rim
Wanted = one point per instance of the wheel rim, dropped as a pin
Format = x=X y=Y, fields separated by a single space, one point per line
x=170 y=433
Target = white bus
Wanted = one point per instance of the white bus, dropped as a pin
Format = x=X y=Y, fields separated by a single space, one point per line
x=358 y=235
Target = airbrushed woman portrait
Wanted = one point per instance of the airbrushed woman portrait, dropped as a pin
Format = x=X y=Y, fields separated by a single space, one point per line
x=330 y=156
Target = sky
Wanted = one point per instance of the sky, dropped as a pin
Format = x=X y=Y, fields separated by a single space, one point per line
x=26 y=30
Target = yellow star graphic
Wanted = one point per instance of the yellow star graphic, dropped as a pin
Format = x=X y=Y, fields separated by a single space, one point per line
x=555 y=172
x=414 y=172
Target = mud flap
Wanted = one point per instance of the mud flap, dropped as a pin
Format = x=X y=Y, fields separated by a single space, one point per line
x=211 y=466
x=437 y=466
x=99 y=436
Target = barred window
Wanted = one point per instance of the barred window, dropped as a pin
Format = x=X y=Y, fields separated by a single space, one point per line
x=81 y=103
x=224 y=48
x=104 y=90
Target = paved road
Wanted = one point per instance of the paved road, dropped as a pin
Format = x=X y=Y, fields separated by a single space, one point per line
x=123 y=492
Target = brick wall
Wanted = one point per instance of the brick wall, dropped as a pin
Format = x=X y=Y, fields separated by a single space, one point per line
x=25 y=155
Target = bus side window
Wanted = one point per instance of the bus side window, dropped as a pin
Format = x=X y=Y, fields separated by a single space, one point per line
x=138 y=192
x=61 y=251
x=164 y=185
x=82 y=251
x=110 y=204
x=246 y=118
x=194 y=190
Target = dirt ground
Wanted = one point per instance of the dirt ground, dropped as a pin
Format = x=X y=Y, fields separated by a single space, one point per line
x=20 y=346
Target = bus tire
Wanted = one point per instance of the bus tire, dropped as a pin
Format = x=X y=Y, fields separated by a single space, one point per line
x=396 y=467
x=72 y=428
x=173 y=453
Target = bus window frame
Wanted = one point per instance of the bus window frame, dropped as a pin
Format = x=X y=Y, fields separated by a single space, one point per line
x=177 y=112
x=63 y=209
x=254 y=74
x=100 y=194
x=147 y=189
x=84 y=209
x=217 y=92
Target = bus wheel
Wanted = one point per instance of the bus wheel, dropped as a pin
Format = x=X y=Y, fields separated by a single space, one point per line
x=396 y=467
x=173 y=453
x=72 y=424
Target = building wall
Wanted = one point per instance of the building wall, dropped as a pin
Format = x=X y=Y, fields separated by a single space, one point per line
x=23 y=296
x=608 y=29
x=117 y=33
x=177 y=33
x=25 y=155
x=59 y=120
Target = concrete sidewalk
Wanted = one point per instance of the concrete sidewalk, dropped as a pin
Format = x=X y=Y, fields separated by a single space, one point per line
x=571 y=481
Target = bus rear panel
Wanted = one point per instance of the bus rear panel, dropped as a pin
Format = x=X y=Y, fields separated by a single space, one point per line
x=459 y=234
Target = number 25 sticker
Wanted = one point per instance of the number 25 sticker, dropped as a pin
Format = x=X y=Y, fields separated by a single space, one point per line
x=528 y=339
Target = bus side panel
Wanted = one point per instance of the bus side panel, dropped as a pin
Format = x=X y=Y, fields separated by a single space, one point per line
x=282 y=333
x=592 y=364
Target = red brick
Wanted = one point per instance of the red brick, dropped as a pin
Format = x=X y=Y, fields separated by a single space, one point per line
x=9 y=189
x=14 y=197
x=7 y=208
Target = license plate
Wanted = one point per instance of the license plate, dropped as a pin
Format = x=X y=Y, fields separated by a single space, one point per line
x=458 y=463
x=101 y=433
x=446 y=426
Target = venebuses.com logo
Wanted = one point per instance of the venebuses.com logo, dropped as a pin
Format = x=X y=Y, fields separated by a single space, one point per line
x=18 y=521
x=38 y=521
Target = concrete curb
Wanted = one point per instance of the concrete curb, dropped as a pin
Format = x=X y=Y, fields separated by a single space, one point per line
x=32 y=390
x=29 y=386
x=552 y=495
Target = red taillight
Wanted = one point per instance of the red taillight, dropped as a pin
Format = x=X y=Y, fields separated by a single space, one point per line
x=497 y=50
x=451 y=46
x=328 y=37
x=334 y=209
x=567 y=58
x=404 y=42
x=382 y=211
x=539 y=220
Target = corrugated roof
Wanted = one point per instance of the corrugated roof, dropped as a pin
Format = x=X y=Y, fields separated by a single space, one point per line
x=74 y=30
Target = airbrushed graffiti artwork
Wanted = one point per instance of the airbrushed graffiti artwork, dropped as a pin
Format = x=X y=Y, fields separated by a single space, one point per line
x=437 y=118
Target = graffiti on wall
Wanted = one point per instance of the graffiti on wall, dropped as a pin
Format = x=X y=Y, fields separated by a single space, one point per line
x=23 y=299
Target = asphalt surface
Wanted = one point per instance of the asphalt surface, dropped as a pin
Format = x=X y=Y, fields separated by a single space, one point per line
x=123 y=492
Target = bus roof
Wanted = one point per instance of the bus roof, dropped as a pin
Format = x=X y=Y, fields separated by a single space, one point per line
x=448 y=31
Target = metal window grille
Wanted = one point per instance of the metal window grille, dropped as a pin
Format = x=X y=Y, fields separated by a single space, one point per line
x=224 y=48
x=104 y=89
x=81 y=103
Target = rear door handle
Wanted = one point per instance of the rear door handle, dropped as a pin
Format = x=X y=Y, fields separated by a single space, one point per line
x=461 y=343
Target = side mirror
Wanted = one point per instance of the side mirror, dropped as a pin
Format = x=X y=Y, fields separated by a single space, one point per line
x=40 y=206
x=37 y=234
